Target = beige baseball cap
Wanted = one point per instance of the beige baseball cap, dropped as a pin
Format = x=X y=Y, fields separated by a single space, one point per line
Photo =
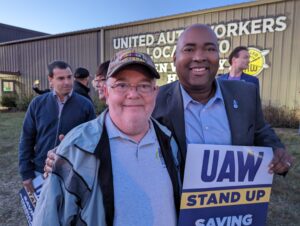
x=130 y=56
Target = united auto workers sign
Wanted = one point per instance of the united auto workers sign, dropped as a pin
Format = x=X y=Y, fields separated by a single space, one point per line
x=162 y=45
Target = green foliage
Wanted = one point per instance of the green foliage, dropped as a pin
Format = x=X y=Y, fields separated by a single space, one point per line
x=9 y=100
x=23 y=102
x=281 y=117
x=99 y=106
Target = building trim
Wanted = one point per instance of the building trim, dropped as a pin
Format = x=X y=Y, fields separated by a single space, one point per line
x=17 y=73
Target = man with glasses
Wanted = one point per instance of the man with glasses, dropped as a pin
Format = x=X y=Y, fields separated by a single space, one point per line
x=100 y=78
x=121 y=168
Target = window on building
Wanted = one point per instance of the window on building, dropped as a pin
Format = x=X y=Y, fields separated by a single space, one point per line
x=8 y=86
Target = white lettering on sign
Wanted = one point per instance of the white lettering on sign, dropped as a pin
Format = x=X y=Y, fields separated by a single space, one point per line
x=222 y=63
x=224 y=46
x=133 y=41
x=226 y=221
x=161 y=46
x=171 y=78
x=255 y=26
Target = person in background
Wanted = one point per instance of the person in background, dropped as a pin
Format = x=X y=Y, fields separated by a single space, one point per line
x=200 y=109
x=98 y=84
x=48 y=116
x=81 y=82
x=36 y=89
x=121 y=168
x=239 y=61
x=100 y=78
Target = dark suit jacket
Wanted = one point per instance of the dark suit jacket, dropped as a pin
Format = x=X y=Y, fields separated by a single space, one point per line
x=244 y=77
x=246 y=122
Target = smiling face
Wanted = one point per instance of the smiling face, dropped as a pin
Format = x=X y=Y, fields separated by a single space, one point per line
x=197 y=58
x=130 y=110
x=98 y=84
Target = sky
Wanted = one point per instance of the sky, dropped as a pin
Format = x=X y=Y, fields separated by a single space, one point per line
x=60 y=16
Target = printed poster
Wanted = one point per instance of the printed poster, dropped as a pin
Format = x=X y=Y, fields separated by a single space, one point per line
x=226 y=186
x=28 y=201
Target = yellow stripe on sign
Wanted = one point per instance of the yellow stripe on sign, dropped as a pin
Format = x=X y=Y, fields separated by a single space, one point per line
x=192 y=200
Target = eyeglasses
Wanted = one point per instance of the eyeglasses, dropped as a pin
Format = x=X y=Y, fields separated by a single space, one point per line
x=102 y=80
x=141 y=88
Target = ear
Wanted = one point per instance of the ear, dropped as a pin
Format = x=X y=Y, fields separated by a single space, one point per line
x=156 y=91
x=50 y=80
x=174 y=57
x=105 y=90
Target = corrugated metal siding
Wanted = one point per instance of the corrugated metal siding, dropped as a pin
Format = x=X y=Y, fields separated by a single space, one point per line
x=31 y=58
x=280 y=83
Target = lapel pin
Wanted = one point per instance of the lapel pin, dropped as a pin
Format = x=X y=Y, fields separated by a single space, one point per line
x=235 y=104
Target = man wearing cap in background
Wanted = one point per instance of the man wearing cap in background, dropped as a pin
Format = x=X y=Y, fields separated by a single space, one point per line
x=81 y=82
x=121 y=168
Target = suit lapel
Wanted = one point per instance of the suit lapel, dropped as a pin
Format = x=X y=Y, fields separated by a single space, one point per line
x=177 y=117
x=233 y=110
x=243 y=77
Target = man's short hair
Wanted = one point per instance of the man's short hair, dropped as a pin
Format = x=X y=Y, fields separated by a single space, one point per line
x=102 y=69
x=57 y=64
x=235 y=53
x=81 y=73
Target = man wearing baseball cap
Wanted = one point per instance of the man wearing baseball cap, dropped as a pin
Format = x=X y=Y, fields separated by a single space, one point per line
x=121 y=168
x=81 y=82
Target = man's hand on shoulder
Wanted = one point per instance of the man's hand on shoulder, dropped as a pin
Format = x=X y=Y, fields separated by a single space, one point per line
x=51 y=156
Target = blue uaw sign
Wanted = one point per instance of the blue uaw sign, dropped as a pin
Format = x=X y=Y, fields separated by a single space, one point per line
x=226 y=186
x=28 y=200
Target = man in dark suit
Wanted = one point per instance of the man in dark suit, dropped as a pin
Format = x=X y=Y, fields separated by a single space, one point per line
x=200 y=109
x=239 y=61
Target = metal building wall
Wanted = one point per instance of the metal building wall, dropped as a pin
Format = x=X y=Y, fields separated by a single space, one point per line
x=31 y=57
x=280 y=83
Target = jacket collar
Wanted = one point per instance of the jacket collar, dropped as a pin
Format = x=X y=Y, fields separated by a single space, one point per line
x=89 y=133
x=85 y=88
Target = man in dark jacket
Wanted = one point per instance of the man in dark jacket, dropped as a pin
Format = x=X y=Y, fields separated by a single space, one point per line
x=202 y=110
x=239 y=60
x=81 y=82
x=49 y=116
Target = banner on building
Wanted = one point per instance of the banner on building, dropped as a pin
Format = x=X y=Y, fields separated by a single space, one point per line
x=226 y=186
